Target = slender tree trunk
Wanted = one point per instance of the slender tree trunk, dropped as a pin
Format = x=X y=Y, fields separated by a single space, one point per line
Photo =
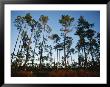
x=59 y=55
x=79 y=59
x=91 y=53
x=27 y=57
x=57 y=58
x=64 y=50
x=85 y=57
x=32 y=62
x=41 y=52
x=54 y=62
x=92 y=58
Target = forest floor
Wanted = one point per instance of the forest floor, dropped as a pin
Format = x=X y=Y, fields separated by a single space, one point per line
x=57 y=73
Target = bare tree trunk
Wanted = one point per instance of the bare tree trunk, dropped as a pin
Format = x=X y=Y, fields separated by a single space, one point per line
x=41 y=52
x=27 y=57
x=64 y=50
x=59 y=55
x=91 y=53
x=85 y=64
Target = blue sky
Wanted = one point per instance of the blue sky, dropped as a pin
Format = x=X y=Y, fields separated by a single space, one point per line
x=54 y=16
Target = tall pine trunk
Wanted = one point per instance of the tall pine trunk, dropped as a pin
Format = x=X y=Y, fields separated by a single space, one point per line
x=64 y=50
x=59 y=55
x=27 y=57
x=85 y=63
x=41 y=53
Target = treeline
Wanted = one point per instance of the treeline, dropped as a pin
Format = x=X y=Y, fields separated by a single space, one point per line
x=32 y=44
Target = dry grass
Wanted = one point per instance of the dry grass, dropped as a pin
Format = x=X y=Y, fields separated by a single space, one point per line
x=58 y=73
x=24 y=74
x=71 y=73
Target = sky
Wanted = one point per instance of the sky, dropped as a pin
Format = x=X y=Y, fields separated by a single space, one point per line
x=54 y=16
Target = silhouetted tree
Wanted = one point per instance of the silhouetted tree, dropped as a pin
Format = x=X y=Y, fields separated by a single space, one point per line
x=45 y=28
x=84 y=32
x=56 y=39
x=66 y=21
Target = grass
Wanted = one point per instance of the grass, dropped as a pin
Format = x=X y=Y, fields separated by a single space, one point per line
x=80 y=72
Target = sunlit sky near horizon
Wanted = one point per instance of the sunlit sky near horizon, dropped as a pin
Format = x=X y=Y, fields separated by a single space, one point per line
x=53 y=22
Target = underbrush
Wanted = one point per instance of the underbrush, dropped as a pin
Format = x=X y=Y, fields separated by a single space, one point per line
x=57 y=73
